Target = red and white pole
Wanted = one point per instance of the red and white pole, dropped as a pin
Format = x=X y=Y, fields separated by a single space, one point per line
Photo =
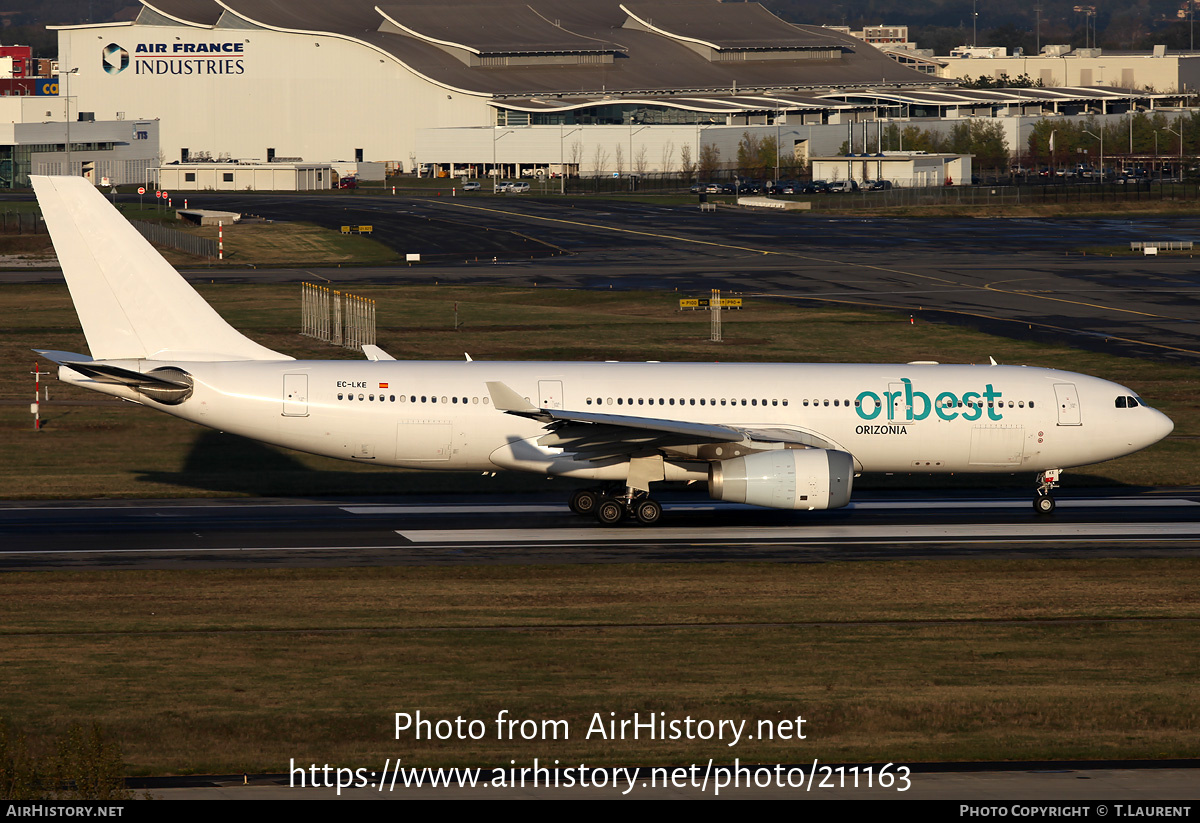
x=35 y=407
x=220 y=240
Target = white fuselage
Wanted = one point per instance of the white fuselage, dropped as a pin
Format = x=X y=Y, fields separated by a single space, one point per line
x=891 y=418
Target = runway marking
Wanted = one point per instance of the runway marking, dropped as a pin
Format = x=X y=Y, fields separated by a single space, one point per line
x=992 y=532
x=195 y=508
x=866 y=505
x=487 y=508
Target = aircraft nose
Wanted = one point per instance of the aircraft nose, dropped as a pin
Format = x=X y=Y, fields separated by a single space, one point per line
x=1155 y=427
x=1162 y=425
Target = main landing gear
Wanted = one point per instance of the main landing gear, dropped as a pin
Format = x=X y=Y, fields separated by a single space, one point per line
x=1043 y=502
x=611 y=506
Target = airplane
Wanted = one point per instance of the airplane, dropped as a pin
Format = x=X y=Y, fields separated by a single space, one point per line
x=786 y=436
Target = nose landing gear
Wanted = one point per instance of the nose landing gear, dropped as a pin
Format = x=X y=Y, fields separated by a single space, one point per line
x=1043 y=502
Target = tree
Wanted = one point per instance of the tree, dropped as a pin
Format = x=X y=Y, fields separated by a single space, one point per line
x=982 y=138
x=640 y=162
x=749 y=148
x=757 y=155
x=599 y=161
x=620 y=159
x=668 y=157
x=685 y=161
x=576 y=156
x=710 y=158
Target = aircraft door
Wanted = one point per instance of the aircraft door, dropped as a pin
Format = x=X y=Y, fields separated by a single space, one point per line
x=295 y=395
x=1068 y=404
x=899 y=410
x=550 y=394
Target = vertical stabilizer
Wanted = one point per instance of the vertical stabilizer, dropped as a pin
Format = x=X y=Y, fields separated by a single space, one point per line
x=131 y=302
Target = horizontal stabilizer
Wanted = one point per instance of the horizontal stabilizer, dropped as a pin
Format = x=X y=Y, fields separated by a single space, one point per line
x=62 y=357
x=106 y=373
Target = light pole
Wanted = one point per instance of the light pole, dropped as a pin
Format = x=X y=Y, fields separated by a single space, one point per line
x=496 y=139
x=1101 y=139
x=1178 y=134
x=562 y=170
x=67 y=112
x=631 y=163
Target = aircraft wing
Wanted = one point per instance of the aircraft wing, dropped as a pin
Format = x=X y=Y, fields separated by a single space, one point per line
x=600 y=435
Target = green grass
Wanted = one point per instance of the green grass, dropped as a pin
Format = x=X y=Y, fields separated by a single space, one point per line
x=227 y=671
x=136 y=453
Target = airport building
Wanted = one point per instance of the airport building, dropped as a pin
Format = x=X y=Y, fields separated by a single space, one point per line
x=902 y=169
x=245 y=176
x=519 y=87
x=245 y=79
x=1157 y=72
x=35 y=135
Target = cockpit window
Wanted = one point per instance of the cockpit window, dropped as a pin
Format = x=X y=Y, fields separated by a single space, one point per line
x=1127 y=402
x=1122 y=402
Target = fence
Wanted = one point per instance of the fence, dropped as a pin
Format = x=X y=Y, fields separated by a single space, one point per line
x=1009 y=195
x=999 y=190
x=341 y=319
x=1160 y=245
x=171 y=238
x=23 y=222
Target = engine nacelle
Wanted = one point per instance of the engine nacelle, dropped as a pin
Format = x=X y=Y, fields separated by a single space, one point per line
x=785 y=479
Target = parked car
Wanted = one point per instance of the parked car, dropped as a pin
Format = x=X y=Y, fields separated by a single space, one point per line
x=879 y=185
x=347 y=183
x=815 y=187
x=843 y=187
x=519 y=187
x=471 y=185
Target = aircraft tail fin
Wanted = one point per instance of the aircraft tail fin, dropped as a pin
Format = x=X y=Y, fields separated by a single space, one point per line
x=131 y=302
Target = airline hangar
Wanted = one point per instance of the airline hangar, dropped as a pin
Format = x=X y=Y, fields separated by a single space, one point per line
x=450 y=83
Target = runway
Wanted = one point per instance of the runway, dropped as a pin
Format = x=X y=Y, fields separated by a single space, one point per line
x=452 y=530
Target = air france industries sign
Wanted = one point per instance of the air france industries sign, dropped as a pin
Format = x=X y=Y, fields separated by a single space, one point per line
x=178 y=58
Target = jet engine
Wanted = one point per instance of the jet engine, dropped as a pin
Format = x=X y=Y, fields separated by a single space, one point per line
x=785 y=479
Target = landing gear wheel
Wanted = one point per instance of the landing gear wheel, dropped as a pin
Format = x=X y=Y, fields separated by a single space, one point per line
x=610 y=512
x=648 y=512
x=1043 y=504
x=584 y=501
